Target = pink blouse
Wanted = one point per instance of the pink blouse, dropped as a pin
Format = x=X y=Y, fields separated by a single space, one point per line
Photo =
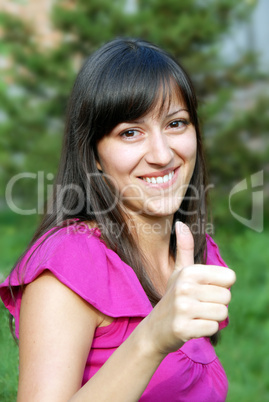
x=78 y=257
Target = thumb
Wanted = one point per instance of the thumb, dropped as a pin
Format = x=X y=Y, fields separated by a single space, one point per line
x=185 y=246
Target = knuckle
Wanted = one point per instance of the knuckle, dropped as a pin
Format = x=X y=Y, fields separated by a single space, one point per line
x=186 y=272
x=184 y=288
x=184 y=306
x=189 y=274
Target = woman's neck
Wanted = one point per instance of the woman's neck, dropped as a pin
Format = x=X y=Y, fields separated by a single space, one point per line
x=153 y=236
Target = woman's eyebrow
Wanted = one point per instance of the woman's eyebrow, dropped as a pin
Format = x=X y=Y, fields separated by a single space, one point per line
x=177 y=111
x=142 y=120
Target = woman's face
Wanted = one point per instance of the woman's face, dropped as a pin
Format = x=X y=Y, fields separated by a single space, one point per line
x=151 y=160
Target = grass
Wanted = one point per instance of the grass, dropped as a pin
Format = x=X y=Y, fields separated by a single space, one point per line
x=243 y=349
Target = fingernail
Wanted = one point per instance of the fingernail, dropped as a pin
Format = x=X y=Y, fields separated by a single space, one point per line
x=179 y=226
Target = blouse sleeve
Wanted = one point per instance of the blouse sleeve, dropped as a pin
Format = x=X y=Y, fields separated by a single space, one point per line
x=82 y=262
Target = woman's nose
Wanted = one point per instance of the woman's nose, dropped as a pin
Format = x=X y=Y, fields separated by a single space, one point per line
x=159 y=151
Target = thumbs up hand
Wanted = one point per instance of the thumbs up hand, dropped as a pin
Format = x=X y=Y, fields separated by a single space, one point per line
x=195 y=301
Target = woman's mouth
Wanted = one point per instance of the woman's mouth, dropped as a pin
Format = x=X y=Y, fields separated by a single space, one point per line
x=159 y=179
x=164 y=180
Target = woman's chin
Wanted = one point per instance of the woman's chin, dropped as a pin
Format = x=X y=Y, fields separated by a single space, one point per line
x=161 y=209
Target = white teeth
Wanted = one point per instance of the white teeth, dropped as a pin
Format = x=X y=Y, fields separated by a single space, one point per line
x=166 y=178
x=160 y=179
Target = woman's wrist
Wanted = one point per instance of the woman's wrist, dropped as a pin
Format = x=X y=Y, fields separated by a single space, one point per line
x=144 y=343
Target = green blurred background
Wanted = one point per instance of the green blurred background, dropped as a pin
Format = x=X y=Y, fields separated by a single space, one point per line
x=223 y=44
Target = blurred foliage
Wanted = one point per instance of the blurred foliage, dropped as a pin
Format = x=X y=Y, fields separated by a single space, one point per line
x=9 y=360
x=38 y=80
x=243 y=349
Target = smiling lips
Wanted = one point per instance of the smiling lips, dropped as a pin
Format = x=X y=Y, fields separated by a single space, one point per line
x=159 y=179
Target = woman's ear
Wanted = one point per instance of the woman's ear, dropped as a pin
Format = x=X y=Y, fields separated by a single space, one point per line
x=99 y=166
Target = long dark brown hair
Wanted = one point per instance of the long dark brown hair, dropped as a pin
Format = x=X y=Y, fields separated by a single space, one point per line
x=120 y=82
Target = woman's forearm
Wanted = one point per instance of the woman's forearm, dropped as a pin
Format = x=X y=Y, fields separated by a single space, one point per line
x=126 y=374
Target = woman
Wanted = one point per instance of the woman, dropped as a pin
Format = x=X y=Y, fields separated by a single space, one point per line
x=118 y=297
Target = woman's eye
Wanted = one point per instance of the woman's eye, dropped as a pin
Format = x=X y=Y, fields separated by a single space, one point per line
x=130 y=134
x=181 y=123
